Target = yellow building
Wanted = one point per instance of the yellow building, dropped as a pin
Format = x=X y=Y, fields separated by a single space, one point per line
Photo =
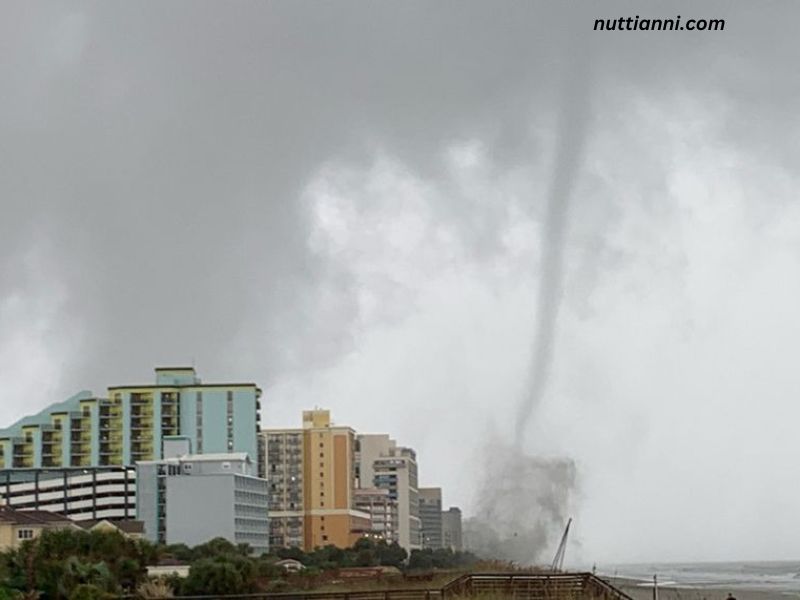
x=312 y=477
x=17 y=526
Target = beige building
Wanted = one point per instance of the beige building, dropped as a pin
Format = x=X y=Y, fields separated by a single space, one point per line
x=381 y=463
x=382 y=509
x=312 y=477
x=128 y=528
x=451 y=529
x=17 y=526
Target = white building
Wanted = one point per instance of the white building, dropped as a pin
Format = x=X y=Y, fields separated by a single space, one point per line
x=192 y=499
x=384 y=465
x=382 y=509
x=82 y=494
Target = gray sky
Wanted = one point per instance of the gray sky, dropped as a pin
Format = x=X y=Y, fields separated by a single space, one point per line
x=344 y=202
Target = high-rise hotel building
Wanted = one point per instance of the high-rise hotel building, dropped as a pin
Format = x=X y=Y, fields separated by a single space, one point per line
x=312 y=478
x=382 y=464
x=132 y=422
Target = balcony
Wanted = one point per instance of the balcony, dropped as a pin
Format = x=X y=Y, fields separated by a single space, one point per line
x=145 y=448
x=110 y=448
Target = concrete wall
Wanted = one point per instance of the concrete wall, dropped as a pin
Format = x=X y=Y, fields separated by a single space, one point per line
x=147 y=499
x=200 y=508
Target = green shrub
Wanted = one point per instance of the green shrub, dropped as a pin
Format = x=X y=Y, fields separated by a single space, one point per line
x=87 y=591
x=208 y=577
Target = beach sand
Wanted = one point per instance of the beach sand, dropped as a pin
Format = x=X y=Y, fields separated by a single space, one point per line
x=638 y=592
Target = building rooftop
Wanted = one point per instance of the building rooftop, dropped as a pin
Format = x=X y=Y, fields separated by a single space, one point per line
x=31 y=517
x=210 y=457
x=127 y=526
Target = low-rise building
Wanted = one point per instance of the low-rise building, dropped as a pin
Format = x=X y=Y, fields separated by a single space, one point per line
x=17 y=526
x=128 y=528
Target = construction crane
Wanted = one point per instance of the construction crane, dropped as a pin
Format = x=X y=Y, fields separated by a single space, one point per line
x=558 y=560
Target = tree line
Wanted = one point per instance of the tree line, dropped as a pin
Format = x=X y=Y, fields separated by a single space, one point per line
x=93 y=565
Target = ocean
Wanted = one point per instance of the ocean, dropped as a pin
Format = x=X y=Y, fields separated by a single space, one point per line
x=777 y=576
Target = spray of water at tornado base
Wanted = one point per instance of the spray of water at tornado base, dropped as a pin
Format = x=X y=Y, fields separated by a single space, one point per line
x=524 y=499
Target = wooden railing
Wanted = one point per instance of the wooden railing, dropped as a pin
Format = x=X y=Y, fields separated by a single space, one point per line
x=516 y=586
x=534 y=586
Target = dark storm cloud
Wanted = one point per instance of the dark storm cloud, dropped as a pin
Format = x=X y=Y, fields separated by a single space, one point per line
x=154 y=160
x=162 y=151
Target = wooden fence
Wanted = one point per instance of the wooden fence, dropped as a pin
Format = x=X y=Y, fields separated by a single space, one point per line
x=515 y=586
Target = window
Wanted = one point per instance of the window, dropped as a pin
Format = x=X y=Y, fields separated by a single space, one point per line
x=199 y=421
x=25 y=534
x=229 y=409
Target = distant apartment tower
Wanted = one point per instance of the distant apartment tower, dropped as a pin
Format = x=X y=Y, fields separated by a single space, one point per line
x=430 y=514
x=192 y=499
x=312 y=477
x=285 y=472
x=451 y=529
x=383 y=511
x=132 y=422
x=384 y=465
